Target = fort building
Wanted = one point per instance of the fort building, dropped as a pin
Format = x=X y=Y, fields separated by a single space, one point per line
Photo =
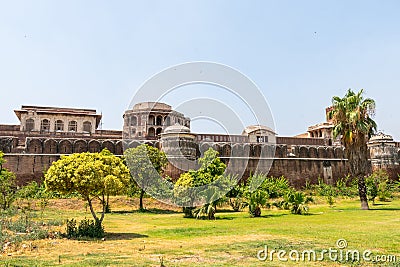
x=45 y=133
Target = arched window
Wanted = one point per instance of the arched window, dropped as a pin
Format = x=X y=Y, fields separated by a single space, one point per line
x=87 y=126
x=151 y=120
x=158 y=131
x=159 y=120
x=29 y=125
x=45 y=125
x=133 y=121
x=72 y=126
x=59 y=126
x=152 y=132
x=167 y=121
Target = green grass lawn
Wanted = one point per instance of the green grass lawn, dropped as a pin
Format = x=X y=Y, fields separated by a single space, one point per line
x=233 y=239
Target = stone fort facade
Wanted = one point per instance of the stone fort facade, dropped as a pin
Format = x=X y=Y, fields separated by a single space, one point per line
x=45 y=133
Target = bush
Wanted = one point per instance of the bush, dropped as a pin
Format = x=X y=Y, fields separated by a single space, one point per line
x=378 y=185
x=207 y=211
x=295 y=201
x=13 y=232
x=256 y=200
x=236 y=197
x=344 y=187
x=188 y=212
x=86 y=228
x=8 y=188
x=276 y=186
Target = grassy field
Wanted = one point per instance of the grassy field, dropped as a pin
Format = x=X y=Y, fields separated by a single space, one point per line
x=162 y=235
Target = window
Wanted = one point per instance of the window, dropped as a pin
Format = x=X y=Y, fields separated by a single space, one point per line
x=152 y=132
x=59 y=126
x=159 y=120
x=158 y=131
x=133 y=131
x=262 y=139
x=87 y=126
x=29 y=125
x=151 y=120
x=167 y=121
x=72 y=126
x=45 y=125
x=133 y=121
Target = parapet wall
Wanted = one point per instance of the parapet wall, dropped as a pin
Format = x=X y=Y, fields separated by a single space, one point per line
x=298 y=163
x=71 y=145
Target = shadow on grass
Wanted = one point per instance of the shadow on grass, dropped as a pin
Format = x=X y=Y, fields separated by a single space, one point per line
x=123 y=236
x=384 y=208
x=227 y=211
x=274 y=215
x=153 y=211
x=228 y=218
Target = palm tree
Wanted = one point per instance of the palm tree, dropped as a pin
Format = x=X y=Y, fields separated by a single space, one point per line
x=351 y=116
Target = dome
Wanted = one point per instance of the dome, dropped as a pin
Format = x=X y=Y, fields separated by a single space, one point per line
x=381 y=137
x=254 y=128
x=177 y=128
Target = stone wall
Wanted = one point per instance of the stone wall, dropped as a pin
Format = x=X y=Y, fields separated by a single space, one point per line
x=28 y=167
x=297 y=163
x=310 y=162
x=297 y=171
x=70 y=145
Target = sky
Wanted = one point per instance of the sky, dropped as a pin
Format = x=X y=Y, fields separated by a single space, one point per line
x=97 y=54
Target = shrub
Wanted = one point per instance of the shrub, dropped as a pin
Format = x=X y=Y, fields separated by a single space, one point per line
x=378 y=185
x=13 y=232
x=188 y=212
x=344 y=187
x=236 y=197
x=276 y=186
x=86 y=228
x=330 y=200
x=206 y=211
x=255 y=200
x=297 y=202
x=8 y=188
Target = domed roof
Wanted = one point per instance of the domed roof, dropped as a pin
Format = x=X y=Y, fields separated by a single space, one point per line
x=177 y=128
x=381 y=137
x=253 y=128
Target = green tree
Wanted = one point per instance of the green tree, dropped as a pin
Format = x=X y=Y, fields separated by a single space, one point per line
x=378 y=185
x=236 y=196
x=297 y=201
x=92 y=175
x=8 y=185
x=256 y=200
x=211 y=169
x=146 y=164
x=351 y=116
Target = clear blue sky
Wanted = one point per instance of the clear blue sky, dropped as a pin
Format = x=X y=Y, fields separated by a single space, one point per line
x=95 y=54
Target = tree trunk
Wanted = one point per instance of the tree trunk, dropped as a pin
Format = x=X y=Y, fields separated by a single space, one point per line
x=141 y=200
x=108 y=210
x=362 y=191
x=357 y=155
x=91 y=209
x=103 y=210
